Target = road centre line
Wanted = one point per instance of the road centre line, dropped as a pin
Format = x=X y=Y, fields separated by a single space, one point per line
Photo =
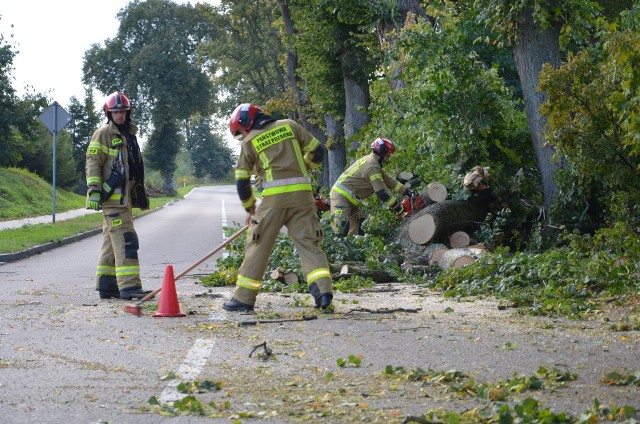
x=225 y=254
x=192 y=365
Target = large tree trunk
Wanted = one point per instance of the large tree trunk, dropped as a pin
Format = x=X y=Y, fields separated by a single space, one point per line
x=337 y=159
x=356 y=110
x=300 y=94
x=534 y=47
x=436 y=222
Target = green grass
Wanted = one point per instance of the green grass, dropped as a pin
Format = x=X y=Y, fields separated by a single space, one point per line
x=23 y=195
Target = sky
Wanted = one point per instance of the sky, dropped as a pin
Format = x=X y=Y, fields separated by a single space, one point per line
x=51 y=38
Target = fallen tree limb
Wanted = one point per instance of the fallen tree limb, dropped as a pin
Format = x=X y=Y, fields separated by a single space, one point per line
x=384 y=310
x=276 y=321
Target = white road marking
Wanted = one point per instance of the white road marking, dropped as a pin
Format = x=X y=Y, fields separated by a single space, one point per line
x=193 y=363
x=225 y=254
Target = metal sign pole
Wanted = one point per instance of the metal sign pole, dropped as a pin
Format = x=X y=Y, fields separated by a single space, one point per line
x=53 y=180
x=54 y=118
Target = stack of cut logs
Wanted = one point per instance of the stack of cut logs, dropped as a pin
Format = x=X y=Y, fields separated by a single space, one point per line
x=438 y=234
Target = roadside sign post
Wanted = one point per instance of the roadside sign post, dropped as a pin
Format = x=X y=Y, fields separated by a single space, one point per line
x=55 y=118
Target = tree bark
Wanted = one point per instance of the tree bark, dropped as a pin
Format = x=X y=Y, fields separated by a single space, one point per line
x=534 y=47
x=456 y=258
x=300 y=94
x=438 y=221
x=336 y=158
x=433 y=253
x=356 y=111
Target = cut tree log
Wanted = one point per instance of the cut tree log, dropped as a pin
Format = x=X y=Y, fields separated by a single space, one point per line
x=459 y=239
x=340 y=271
x=438 y=221
x=405 y=176
x=432 y=254
x=477 y=250
x=287 y=278
x=435 y=192
x=456 y=258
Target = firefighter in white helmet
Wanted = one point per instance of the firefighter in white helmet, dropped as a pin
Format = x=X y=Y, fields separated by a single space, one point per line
x=115 y=184
x=280 y=153
x=363 y=178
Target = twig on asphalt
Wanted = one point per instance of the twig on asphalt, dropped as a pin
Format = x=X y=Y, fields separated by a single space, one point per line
x=276 y=321
x=384 y=310
x=267 y=351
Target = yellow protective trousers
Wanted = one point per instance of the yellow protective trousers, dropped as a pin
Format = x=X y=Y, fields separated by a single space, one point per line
x=346 y=218
x=303 y=226
x=118 y=264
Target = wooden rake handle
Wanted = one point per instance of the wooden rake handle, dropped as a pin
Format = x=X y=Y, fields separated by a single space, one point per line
x=204 y=258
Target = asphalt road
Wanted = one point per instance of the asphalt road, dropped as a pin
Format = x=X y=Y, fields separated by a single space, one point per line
x=68 y=357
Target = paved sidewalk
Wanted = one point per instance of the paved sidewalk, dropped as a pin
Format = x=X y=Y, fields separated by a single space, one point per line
x=45 y=219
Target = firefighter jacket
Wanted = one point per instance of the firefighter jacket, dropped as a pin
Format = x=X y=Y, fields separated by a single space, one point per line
x=280 y=155
x=365 y=177
x=107 y=151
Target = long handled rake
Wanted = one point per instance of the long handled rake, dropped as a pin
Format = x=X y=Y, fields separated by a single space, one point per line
x=136 y=308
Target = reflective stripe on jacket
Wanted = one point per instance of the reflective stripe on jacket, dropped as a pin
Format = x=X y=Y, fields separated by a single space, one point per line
x=108 y=145
x=365 y=177
x=275 y=154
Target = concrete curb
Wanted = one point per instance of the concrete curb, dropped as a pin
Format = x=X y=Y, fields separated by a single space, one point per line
x=36 y=250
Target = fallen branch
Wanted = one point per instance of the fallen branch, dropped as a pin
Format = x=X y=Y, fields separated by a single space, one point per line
x=267 y=351
x=276 y=321
x=384 y=310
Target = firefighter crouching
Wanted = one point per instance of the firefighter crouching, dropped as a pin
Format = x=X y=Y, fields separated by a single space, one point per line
x=363 y=178
x=281 y=152
x=115 y=184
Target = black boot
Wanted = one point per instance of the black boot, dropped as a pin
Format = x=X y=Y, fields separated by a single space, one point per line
x=109 y=294
x=323 y=300
x=234 y=305
x=108 y=288
x=134 y=293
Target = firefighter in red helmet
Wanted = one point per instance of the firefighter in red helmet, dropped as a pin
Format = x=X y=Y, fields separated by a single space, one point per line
x=281 y=153
x=115 y=184
x=363 y=178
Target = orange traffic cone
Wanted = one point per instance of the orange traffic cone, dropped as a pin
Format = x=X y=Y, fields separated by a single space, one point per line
x=168 y=303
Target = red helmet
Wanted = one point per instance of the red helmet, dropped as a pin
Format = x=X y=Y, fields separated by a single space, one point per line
x=243 y=117
x=117 y=101
x=383 y=147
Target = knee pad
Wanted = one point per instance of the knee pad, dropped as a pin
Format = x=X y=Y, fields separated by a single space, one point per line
x=131 y=245
x=344 y=226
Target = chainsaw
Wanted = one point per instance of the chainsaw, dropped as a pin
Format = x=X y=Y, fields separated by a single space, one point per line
x=412 y=204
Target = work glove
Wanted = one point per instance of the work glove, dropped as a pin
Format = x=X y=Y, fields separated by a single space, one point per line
x=414 y=182
x=311 y=165
x=93 y=200
x=409 y=193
